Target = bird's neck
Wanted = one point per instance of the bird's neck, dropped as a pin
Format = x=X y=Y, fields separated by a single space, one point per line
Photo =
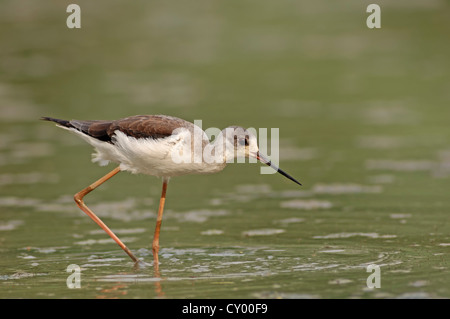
x=217 y=152
x=213 y=156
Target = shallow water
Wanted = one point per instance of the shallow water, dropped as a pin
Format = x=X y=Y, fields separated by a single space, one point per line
x=362 y=125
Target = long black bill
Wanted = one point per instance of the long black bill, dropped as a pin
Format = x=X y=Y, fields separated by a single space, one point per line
x=264 y=160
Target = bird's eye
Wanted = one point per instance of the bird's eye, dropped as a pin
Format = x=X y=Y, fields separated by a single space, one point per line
x=243 y=141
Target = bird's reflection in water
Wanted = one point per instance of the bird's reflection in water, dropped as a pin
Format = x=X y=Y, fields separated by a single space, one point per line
x=124 y=282
x=115 y=292
x=140 y=265
x=158 y=287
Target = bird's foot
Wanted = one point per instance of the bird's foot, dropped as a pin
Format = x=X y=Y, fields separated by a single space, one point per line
x=140 y=264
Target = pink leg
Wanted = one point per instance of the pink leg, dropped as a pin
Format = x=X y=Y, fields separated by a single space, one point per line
x=155 y=245
x=79 y=200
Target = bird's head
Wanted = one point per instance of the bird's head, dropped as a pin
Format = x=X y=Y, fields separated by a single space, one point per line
x=240 y=142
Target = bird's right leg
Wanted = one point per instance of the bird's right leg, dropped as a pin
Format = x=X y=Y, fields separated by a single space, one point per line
x=79 y=200
x=155 y=244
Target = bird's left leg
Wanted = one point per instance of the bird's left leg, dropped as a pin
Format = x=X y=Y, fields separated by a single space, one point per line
x=79 y=200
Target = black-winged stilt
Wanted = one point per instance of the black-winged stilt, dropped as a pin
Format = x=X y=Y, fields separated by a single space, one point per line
x=162 y=146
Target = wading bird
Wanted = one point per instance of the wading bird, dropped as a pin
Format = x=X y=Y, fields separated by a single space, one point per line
x=162 y=146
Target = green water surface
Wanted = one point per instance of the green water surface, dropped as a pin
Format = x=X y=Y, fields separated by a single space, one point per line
x=363 y=118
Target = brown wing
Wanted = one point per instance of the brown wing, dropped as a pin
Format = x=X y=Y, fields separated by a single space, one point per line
x=138 y=126
x=148 y=126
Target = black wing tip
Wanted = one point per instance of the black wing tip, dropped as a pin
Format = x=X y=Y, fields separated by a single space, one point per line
x=57 y=121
